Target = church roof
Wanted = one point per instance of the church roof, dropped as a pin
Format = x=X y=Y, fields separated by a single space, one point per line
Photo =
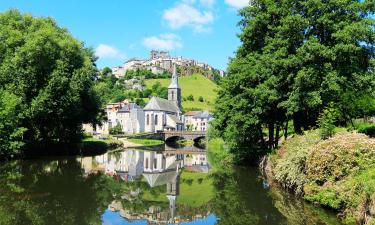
x=174 y=81
x=175 y=119
x=161 y=104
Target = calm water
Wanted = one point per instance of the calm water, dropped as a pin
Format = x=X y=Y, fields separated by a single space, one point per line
x=144 y=187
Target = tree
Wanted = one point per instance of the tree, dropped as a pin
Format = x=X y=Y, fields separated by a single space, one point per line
x=296 y=57
x=51 y=74
x=106 y=71
x=11 y=133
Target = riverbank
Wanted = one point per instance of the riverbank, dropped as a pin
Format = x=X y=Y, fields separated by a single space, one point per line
x=337 y=173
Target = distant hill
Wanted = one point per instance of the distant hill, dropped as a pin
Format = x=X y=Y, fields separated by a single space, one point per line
x=196 y=85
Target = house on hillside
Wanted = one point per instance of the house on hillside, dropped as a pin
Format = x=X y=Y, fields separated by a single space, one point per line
x=162 y=114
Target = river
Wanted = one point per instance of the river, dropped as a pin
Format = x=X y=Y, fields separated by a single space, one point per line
x=138 y=186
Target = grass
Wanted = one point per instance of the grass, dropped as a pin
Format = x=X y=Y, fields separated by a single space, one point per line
x=146 y=142
x=196 y=85
x=196 y=189
x=219 y=156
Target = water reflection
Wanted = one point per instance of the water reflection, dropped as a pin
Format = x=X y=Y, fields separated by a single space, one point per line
x=161 y=171
x=147 y=187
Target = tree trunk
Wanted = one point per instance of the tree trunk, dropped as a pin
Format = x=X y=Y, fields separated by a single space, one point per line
x=264 y=145
x=277 y=136
x=297 y=123
x=286 y=130
x=271 y=128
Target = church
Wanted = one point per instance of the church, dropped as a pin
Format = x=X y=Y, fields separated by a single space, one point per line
x=162 y=114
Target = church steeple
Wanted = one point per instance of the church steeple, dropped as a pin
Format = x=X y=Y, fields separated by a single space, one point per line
x=174 y=90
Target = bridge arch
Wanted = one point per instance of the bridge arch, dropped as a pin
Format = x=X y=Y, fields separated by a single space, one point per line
x=173 y=138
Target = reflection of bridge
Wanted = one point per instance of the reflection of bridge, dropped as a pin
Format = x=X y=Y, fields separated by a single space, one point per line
x=183 y=149
x=187 y=135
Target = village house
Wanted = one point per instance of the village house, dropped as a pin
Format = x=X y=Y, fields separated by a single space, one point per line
x=197 y=120
x=127 y=114
x=162 y=114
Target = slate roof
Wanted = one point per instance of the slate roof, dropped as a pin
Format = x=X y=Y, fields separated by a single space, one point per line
x=203 y=115
x=160 y=104
x=175 y=119
x=127 y=107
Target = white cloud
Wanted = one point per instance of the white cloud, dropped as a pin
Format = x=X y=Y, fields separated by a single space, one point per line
x=107 y=51
x=185 y=14
x=207 y=3
x=163 y=42
x=238 y=4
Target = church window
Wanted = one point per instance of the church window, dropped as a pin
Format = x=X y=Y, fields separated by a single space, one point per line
x=148 y=119
x=156 y=119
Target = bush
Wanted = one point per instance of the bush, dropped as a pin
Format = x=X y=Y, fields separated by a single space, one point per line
x=116 y=129
x=201 y=99
x=190 y=98
x=368 y=129
x=326 y=122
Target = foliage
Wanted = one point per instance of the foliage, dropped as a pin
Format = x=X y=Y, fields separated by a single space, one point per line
x=106 y=71
x=200 y=99
x=49 y=73
x=192 y=85
x=337 y=172
x=190 y=98
x=367 y=129
x=11 y=134
x=289 y=161
x=326 y=122
x=295 y=58
x=146 y=74
x=116 y=129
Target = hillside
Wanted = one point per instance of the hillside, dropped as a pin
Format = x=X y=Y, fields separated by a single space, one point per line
x=196 y=85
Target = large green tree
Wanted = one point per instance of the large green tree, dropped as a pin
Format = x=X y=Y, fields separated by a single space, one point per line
x=296 y=57
x=50 y=73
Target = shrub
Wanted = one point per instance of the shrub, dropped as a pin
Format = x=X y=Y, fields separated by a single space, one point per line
x=368 y=129
x=116 y=129
x=326 y=122
x=201 y=99
x=190 y=98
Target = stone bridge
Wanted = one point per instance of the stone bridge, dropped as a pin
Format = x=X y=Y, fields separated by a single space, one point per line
x=188 y=135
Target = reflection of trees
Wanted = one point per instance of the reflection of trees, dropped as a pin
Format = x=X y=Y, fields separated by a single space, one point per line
x=228 y=203
x=46 y=192
x=299 y=212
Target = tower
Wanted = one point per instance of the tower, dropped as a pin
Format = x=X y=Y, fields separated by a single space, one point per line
x=174 y=91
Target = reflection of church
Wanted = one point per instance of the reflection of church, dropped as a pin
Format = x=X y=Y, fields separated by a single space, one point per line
x=157 y=168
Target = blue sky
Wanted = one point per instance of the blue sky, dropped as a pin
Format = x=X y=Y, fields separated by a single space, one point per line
x=205 y=30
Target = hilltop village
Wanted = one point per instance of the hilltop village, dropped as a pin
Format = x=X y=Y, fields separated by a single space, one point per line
x=162 y=62
x=159 y=114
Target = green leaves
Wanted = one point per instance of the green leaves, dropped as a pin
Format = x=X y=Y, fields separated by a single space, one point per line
x=49 y=73
x=296 y=57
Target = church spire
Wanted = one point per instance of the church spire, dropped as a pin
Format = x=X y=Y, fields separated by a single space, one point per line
x=174 y=81
x=174 y=91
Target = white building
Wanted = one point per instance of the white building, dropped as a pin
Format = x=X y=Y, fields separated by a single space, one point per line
x=129 y=115
x=162 y=114
x=197 y=120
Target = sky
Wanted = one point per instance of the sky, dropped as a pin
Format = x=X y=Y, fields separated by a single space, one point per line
x=205 y=30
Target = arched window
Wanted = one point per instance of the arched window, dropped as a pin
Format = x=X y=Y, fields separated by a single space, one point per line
x=156 y=119
x=146 y=163
x=172 y=95
x=148 y=119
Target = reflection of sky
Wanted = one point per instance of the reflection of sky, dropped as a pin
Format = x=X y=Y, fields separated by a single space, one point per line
x=114 y=218
x=211 y=219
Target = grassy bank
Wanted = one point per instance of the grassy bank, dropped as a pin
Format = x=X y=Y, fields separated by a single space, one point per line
x=90 y=144
x=338 y=173
x=192 y=85
x=218 y=154
x=146 y=142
